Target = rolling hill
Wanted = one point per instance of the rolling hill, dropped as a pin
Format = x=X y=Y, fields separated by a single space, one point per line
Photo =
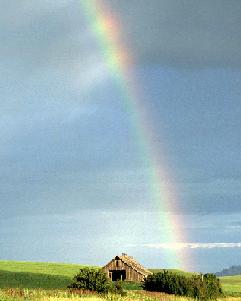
x=36 y=274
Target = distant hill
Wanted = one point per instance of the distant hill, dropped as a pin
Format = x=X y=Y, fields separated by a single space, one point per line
x=231 y=271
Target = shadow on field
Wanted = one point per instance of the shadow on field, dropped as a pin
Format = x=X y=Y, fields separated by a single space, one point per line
x=32 y=280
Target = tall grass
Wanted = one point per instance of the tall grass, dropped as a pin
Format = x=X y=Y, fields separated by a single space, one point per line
x=58 y=295
x=67 y=295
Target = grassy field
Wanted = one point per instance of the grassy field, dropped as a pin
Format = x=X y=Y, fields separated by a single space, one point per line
x=37 y=279
x=32 y=275
x=231 y=284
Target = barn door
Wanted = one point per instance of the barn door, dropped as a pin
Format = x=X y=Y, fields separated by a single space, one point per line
x=118 y=275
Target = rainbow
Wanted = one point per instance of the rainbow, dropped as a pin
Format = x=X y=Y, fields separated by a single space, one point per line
x=118 y=59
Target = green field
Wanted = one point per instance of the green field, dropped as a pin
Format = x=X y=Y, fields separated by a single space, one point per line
x=231 y=284
x=49 y=276
x=36 y=275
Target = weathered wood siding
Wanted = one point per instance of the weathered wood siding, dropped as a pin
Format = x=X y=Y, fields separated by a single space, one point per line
x=118 y=265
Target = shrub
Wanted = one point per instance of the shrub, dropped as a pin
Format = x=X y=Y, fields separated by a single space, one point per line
x=213 y=284
x=92 y=280
x=202 y=287
x=118 y=288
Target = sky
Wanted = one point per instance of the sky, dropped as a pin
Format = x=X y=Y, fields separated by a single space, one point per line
x=75 y=185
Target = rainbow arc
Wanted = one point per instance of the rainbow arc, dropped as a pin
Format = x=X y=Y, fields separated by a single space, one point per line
x=103 y=24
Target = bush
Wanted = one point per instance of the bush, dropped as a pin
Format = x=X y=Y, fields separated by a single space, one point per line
x=118 y=288
x=92 y=280
x=202 y=287
x=213 y=284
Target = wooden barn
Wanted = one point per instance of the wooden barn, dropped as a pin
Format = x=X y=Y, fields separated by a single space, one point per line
x=126 y=268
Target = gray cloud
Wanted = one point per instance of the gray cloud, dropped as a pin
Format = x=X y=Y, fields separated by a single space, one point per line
x=68 y=143
x=47 y=39
x=176 y=33
x=56 y=144
x=182 y=33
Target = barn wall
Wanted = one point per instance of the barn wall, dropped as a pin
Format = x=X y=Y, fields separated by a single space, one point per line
x=131 y=274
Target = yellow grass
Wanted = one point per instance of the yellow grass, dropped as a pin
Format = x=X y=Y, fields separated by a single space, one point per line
x=65 y=295
x=130 y=298
x=230 y=299
x=91 y=298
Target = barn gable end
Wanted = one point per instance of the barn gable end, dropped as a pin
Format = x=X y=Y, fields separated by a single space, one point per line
x=125 y=268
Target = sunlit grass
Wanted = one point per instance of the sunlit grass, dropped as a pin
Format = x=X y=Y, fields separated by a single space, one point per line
x=14 y=274
x=61 y=269
x=231 y=284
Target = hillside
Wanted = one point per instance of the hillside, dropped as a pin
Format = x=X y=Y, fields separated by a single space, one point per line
x=43 y=275
x=36 y=274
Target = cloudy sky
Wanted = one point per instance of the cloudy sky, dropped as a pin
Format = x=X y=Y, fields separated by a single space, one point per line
x=73 y=183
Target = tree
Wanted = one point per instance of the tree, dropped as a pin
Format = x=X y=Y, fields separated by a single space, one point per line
x=92 y=280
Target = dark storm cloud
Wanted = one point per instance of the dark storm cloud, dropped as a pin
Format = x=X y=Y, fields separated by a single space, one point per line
x=182 y=33
x=176 y=33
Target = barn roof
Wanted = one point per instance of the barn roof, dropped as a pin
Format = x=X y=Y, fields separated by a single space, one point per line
x=131 y=262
